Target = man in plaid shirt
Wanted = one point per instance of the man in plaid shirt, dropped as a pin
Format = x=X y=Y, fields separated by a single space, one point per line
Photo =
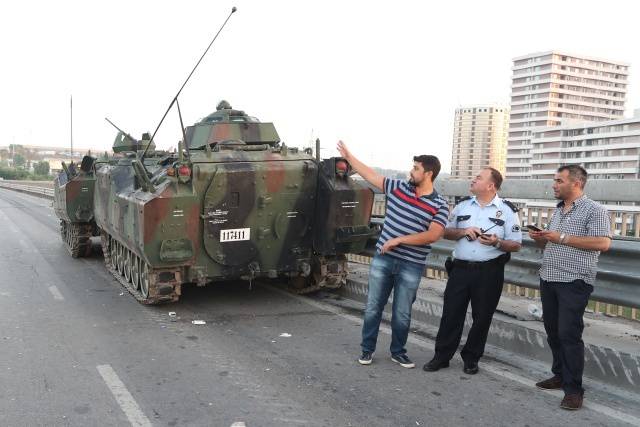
x=578 y=231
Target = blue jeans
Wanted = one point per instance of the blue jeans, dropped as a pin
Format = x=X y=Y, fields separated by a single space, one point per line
x=403 y=277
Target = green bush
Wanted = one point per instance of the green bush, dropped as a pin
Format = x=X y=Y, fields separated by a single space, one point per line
x=21 y=174
x=41 y=169
x=13 y=173
x=19 y=160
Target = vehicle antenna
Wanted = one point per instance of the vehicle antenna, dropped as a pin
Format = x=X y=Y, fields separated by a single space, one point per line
x=175 y=98
x=184 y=134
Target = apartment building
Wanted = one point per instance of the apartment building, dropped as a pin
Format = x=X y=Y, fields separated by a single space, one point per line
x=479 y=139
x=607 y=150
x=553 y=88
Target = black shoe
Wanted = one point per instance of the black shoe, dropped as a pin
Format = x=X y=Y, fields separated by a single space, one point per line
x=572 y=402
x=366 y=358
x=435 y=365
x=470 y=368
x=403 y=360
x=553 y=383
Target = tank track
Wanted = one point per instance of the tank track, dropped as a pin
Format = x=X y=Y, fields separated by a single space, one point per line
x=327 y=273
x=159 y=292
x=77 y=238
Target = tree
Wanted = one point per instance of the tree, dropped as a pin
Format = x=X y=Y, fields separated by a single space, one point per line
x=12 y=173
x=18 y=160
x=41 y=168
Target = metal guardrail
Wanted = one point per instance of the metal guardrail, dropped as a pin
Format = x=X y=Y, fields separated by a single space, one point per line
x=32 y=189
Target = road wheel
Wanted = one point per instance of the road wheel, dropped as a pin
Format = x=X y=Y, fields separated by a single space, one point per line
x=127 y=264
x=113 y=246
x=135 y=271
x=120 y=251
x=144 y=279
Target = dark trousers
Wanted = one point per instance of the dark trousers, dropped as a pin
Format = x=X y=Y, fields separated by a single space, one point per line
x=481 y=284
x=563 y=305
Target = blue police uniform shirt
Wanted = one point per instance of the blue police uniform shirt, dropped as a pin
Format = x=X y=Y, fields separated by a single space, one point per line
x=470 y=213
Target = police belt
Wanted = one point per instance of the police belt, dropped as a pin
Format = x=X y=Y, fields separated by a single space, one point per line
x=501 y=260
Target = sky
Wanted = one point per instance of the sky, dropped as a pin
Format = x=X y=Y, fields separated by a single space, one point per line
x=385 y=77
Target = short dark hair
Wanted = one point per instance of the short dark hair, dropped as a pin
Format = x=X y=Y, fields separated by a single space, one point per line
x=576 y=172
x=429 y=163
x=496 y=176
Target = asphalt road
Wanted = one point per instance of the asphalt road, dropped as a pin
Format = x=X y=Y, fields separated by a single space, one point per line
x=77 y=350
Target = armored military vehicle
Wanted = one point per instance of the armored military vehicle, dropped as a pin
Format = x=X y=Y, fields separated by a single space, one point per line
x=233 y=203
x=73 y=204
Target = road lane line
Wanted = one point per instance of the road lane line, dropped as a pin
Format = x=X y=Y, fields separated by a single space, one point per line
x=56 y=293
x=488 y=366
x=128 y=405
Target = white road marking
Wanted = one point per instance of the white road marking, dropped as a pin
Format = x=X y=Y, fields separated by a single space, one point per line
x=238 y=424
x=488 y=366
x=56 y=293
x=123 y=397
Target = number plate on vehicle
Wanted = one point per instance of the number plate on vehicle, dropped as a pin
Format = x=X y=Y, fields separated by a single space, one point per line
x=235 y=234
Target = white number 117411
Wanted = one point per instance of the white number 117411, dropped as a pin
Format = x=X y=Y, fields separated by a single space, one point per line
x=235 y=234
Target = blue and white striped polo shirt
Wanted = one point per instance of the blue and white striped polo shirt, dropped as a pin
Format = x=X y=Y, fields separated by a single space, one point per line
x=408 y=214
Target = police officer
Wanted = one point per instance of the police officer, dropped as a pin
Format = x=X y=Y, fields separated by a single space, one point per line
x=486 y=229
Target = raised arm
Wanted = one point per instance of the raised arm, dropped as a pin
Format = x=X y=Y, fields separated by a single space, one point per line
x=371 y=176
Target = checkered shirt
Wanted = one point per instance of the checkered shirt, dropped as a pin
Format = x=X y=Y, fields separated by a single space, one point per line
x=563 y=263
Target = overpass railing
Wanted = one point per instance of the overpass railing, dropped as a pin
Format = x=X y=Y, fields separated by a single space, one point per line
x=33 y=188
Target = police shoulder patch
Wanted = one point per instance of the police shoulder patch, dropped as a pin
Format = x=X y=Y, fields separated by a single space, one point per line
x=511 y=205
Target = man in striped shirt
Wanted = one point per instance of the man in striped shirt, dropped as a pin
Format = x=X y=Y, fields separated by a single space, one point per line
x=416 y=216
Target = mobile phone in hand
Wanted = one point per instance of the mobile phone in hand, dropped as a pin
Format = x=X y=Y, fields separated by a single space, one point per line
x=532 y=227
x=476 y=233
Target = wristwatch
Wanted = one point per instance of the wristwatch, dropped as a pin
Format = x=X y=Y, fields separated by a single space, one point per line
x=498 y=244
x=563 y=236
